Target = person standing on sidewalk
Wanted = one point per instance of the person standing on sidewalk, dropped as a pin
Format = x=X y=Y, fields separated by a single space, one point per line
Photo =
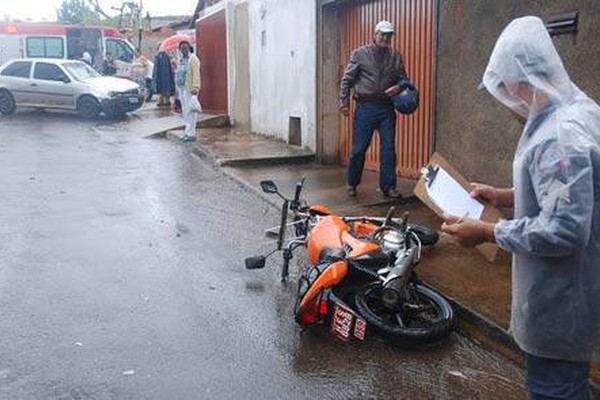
x=555 y=233
x=162 y=77
x=374 y=73
x=187 y=78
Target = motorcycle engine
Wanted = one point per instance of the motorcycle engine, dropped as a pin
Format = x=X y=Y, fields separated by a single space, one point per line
x=394 y=242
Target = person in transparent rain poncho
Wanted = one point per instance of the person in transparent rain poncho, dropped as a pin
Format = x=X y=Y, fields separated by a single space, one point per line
x=555 y=232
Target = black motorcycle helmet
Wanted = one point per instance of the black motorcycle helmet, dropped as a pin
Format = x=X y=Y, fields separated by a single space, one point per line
x=408 y=100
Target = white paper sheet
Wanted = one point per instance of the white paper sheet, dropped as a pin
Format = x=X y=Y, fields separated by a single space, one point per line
x=451 y=197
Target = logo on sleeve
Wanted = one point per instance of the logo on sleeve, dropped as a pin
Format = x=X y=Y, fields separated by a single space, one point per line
x=551 y=160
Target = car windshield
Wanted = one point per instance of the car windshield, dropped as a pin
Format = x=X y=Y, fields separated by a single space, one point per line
x=81 y=71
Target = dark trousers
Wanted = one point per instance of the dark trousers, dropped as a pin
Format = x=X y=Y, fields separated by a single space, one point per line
x=367 y=118
x=549 y=379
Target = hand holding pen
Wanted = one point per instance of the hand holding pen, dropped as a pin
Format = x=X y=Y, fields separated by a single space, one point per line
x=468 y=231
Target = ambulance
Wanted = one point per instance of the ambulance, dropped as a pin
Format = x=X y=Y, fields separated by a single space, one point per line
x=50 y=40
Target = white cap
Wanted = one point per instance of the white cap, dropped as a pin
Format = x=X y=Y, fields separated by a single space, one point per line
x=384 y=27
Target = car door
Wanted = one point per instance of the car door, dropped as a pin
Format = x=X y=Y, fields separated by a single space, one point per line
x=15 y=77
x=51 y=87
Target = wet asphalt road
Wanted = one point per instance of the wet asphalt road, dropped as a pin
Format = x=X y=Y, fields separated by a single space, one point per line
x=121 y=277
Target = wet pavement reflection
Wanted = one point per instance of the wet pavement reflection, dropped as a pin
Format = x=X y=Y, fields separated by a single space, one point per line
x=121 y=277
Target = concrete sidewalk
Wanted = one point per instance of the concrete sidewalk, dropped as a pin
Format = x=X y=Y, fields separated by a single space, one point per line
x=479 y=290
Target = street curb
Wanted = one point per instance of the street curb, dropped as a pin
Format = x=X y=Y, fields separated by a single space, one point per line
x=211 y=122
x=307 y=158
x=256 y=161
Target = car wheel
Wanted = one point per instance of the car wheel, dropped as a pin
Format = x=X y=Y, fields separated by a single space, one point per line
x=88 y=107
x=7 y=103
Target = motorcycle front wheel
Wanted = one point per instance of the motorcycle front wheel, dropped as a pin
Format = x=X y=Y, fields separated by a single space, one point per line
x=424 y=318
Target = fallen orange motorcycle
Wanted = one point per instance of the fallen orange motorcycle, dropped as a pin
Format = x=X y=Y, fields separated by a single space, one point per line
x=361 y=277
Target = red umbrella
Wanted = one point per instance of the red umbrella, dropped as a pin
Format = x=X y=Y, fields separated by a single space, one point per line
x=171 y=43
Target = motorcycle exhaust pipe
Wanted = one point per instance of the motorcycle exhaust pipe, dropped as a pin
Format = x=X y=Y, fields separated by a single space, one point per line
x=393 y=287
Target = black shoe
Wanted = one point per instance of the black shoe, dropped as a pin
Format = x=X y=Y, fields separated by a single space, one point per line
x=188 y=139
x=391 y=193
x=351 y=190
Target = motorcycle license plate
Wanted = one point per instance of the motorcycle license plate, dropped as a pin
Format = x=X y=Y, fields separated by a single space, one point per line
x=346 y=323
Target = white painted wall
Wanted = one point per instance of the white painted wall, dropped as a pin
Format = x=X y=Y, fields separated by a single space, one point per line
x=282 y=58
x=283 y=74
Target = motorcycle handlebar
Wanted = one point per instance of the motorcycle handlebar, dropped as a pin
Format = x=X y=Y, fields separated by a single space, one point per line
x=287 y=256
x=296 y=201
x=282 y=224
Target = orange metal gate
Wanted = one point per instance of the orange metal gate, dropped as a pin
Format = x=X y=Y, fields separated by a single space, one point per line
x=415 y=22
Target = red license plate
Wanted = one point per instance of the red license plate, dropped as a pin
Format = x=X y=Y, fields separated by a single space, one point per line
x=345 y=322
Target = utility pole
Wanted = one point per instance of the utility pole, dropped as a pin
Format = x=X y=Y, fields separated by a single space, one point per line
x=130 y=17
x=139 y=24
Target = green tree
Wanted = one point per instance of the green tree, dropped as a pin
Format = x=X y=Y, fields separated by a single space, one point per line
x=78 y=12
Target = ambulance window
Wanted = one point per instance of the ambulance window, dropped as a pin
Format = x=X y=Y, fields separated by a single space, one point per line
x=46 y=47
x=18 y=69
x=119 y=50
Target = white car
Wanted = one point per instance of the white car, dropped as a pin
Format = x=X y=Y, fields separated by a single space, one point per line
x=65 y=84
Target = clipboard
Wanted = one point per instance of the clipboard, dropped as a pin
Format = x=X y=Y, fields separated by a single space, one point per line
x=490 y=213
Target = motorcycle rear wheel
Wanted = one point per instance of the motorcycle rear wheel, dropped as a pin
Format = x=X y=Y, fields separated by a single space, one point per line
x=426 y=318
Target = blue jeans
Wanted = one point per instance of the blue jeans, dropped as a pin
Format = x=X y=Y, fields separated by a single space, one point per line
x=549 y=379
x=367 y=118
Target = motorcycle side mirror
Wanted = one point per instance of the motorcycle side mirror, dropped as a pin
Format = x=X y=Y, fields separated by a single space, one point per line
x=269 y=187
x=255 y=262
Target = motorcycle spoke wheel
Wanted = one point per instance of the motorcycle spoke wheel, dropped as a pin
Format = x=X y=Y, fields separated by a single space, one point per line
x=413 y=314
x=424 y=318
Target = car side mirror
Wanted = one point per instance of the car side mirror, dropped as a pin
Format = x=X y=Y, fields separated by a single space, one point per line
x=268 y=187
x=65 y=79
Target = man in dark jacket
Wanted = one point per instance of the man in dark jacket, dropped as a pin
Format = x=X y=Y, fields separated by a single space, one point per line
x=374 y=72
x=164 y=81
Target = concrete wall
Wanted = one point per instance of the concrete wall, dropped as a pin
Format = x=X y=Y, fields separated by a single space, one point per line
x=239 y=72
x=329 y=84
x=282 y=38
x=478 y=134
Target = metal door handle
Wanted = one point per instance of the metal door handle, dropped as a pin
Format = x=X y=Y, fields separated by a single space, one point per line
x=33 y=84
